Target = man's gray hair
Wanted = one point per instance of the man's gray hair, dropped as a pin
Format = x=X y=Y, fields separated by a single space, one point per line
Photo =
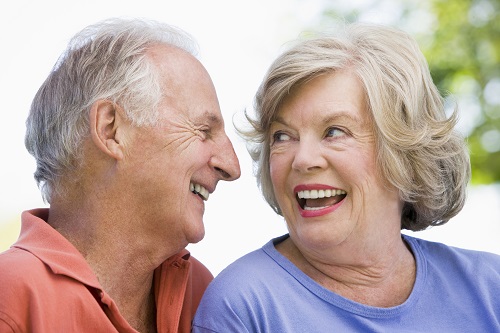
x=105 y=61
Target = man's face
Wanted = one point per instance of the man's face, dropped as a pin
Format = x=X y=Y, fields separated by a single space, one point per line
x=175 y=165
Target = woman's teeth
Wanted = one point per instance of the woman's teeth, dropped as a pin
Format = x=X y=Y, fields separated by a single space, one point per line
x=319 y=199
x=317 y=194
x=200 y=190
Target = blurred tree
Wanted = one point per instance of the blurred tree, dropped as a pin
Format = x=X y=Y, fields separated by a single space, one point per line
x=461 y=41
x=464 y=57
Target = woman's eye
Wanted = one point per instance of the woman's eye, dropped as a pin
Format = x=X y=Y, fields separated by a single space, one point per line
x=334 y=132
x=280 y=137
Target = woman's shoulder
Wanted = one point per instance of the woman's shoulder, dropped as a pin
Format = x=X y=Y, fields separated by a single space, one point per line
x=250 y=272
x=251 y=263
x=452 y=257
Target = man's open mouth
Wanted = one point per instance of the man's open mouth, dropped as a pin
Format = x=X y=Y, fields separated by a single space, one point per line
x=198 y=189
x=319 y=199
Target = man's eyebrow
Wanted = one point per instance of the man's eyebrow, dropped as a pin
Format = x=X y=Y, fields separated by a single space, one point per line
x=213 y=119
x=210 y=118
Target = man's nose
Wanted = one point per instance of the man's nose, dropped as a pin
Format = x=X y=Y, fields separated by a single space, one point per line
x=225 y=161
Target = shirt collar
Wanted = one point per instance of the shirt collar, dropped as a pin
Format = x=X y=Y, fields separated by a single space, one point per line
x=53 y=249
x=48 y=245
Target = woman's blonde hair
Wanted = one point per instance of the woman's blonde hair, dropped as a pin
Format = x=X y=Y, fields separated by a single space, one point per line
x=419 y=151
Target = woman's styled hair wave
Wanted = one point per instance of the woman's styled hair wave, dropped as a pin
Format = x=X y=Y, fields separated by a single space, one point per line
x=419 y=151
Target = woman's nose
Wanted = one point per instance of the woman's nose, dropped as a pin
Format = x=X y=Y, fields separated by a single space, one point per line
x=308 y=156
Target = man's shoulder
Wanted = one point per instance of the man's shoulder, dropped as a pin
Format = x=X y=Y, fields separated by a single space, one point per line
x=196 y=264
x=183 y=265
x=19 y=264
x=199 y=271
x=28 y=275
x=22 y=278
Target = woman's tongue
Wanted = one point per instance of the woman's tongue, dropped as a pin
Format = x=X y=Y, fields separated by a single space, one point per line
x=322 y=202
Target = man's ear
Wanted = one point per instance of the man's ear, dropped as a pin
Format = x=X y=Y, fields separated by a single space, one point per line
x=105 y=120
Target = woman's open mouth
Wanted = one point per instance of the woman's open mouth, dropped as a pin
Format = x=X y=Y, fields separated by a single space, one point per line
x=311 y=201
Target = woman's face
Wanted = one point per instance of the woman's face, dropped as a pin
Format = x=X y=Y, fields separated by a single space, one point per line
x=323 y=167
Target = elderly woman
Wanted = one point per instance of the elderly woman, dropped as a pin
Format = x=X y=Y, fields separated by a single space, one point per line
x=352 y=145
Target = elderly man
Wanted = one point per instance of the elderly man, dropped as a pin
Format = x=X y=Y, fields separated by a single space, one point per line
x=129 y=142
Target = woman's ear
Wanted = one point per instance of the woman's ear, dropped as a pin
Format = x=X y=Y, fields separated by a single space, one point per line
x=104 y=125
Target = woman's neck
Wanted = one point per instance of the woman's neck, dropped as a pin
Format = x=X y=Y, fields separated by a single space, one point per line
x=381 y=279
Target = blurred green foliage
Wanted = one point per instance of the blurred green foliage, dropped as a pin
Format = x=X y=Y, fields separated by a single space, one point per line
x=464 y=58
x=461 y=41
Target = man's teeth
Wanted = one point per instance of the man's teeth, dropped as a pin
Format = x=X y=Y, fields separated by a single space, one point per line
x=317 y=194
x=198 y=189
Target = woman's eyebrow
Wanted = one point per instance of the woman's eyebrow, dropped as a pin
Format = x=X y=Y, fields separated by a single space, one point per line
x=329 y=118
x=280 y=120
x=342 y=116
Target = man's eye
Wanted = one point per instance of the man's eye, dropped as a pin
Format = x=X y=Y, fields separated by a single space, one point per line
x=205 y=132
x=280 y=137
x=334 y=132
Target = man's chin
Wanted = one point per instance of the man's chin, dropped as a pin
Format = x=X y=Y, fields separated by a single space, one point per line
x=196 y=236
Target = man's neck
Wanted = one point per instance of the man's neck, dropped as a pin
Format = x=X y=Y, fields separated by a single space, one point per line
x=123 y=264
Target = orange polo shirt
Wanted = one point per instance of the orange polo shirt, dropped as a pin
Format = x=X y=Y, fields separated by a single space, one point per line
x=47 y=286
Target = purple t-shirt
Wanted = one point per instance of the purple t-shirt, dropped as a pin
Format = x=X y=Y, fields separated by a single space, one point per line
x=456 y=290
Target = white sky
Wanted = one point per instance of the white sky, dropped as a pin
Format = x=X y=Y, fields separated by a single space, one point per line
x=238 y=40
